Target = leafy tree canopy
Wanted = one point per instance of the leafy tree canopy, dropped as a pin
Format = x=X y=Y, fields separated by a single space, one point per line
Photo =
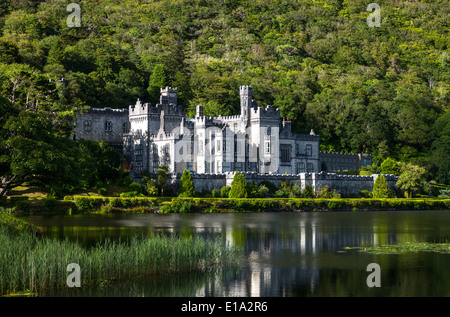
x=382 y=90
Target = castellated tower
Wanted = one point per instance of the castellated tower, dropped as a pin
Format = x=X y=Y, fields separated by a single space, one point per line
x=246 y=93
x=169 y=96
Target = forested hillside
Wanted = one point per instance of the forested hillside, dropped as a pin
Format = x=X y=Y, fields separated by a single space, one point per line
x=382 y=90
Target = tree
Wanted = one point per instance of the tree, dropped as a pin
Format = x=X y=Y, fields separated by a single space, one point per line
x=186 y=185
x=163 y=176
x=225 y=191
x=410 y=179
x=238 y=187
x=7 y=110
x=390 y=166
x=439 y=156
x=32 y=151
x=9 y=52
x=152 y=189
x=158 y=80
x=98 y=162
x=380 y=188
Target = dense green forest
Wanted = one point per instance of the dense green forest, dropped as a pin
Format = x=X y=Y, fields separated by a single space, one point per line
x=382 y=90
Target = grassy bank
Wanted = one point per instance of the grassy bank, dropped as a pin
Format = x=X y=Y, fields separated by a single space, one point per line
x=32 y=264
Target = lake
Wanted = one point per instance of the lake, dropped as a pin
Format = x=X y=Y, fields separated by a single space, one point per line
x=286 y=254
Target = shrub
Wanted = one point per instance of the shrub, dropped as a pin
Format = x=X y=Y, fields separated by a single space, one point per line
x=185 y=206
x=272 y=188
x=252 y=190
x=102 y=191
x=365 y=194
x=186 y=185
x=215 y=193
x=263 y=191
x=82 y=203
x=296 y=191
x=444 y=194
x=132 y=194
x=335 y=204
x=106 y=208
x=238 y=186
x=225 y=191
x=135 y=187
x=85 y=203
x=49 y=202
x=152 y=189
x=326 y=192
x=380 y=188
x=308 y=192
x=115 y=202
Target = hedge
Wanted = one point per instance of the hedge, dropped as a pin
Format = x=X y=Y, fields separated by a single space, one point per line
x=302 y=204
x=84 y=203
x=189 y=205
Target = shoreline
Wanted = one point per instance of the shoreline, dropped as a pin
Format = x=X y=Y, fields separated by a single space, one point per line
x=140 y=205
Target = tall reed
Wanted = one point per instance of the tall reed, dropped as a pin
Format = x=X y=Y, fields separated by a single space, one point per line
x=30 y=263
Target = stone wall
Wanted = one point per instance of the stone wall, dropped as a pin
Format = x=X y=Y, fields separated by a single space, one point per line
x=335 y=161
x=105 y=124
x=344 y=184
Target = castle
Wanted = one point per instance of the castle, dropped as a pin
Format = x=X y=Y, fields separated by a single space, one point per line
x=257 y=141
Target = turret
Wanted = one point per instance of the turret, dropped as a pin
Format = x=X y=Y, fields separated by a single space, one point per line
x=246 y=93
x=169 y=96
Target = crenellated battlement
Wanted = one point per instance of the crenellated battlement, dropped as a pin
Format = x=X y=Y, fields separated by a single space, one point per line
x=344 y=184
x=229 y=118
x=342 y=153
x=108 y=111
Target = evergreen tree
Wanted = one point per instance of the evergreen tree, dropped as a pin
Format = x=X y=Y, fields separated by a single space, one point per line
x=56 y=53
x=158 y=80
x=186 y=185
x=380 y=188
x=238 y=187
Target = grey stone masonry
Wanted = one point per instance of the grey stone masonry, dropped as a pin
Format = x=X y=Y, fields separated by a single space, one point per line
x=103 y=124
x=256 y=142
x=343 y=184
x=335 y=161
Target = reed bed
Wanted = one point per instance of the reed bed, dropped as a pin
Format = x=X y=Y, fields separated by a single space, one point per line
x=29 y=263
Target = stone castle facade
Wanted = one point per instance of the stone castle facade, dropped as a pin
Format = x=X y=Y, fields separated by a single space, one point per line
x=255 y=142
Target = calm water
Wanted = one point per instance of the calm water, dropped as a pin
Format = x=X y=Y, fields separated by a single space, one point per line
x=286 y=254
